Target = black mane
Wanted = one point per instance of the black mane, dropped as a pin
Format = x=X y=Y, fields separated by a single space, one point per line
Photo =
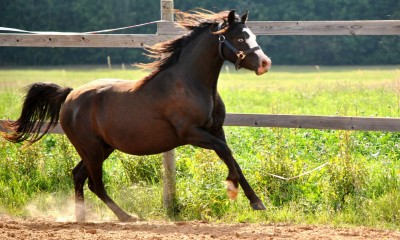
x=167 y=53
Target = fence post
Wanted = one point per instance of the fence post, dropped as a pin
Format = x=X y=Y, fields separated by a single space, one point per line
x=167 y=10
x=169 y=189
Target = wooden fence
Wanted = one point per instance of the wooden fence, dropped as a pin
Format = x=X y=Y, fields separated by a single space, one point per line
x=167 y=30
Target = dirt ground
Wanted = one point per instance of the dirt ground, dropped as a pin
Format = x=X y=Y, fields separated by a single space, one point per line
x=42 y=229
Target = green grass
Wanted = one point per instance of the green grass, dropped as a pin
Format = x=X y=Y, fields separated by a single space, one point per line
x=329 y=91
x=359 y=186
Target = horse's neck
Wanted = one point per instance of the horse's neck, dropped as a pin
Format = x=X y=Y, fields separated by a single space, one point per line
x=200 y=60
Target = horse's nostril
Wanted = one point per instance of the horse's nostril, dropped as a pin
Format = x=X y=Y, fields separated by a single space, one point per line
x=264 y=63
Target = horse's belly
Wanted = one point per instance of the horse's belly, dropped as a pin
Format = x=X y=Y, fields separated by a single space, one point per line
x=143 y=139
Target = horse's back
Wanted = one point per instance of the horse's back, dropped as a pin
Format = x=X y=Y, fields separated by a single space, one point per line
x=86 y=104
x=104 y=83
x=85 y=97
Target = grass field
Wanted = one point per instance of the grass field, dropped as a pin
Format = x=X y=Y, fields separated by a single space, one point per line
x=359 y=186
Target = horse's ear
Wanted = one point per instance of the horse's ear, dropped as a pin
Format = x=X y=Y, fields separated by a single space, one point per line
x=231 y=17
x=245 y=16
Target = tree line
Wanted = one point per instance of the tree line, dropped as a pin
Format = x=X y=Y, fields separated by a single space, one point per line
x=90 y=15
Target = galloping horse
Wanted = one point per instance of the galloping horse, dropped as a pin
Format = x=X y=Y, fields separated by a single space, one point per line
x=177 y=104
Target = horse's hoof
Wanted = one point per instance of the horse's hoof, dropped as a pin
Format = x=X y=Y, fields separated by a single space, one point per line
x=80 y=217
x=232 y=191
x=258 y=206
x=128 y=218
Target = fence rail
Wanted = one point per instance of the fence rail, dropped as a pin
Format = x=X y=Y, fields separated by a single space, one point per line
x=301 y=121
x=365 y=27
x=81 y=40
x=168 y=30
x=314 y=122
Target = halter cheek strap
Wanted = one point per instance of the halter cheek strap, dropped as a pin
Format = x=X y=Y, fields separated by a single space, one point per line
x=239 y=54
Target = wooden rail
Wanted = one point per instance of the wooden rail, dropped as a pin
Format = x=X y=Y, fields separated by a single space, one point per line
x=368 y=27
x=302 y=121
x=168 y=30
x=314 y=122
x=81 y=40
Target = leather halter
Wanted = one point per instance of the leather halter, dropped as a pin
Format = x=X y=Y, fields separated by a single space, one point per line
x=239 y=53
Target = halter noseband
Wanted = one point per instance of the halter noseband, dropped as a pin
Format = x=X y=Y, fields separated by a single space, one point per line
x=239 y=54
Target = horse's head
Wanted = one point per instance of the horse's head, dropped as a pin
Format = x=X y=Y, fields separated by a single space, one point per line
x=238 y=45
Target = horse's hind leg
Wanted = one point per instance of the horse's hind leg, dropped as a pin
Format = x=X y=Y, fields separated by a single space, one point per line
x=80 y=175
x=97 y=186
x=93 y=160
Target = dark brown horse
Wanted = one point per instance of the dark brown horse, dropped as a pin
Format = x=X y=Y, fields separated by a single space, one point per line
x=177 y=104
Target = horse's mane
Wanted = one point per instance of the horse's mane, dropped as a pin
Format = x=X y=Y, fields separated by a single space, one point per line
x=167 y=53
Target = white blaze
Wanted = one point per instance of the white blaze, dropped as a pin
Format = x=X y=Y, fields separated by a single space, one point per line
x=251 y=41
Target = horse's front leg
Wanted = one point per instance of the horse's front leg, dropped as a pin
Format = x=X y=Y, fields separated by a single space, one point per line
x=201 y=138
x=255 y=201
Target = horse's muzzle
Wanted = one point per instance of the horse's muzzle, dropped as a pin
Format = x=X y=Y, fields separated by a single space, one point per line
x=265 y=65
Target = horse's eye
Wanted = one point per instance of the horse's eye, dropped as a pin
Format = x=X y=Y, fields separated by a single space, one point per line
x=240 y=40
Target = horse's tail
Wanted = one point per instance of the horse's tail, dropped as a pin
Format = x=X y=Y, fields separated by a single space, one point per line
x=42 y=103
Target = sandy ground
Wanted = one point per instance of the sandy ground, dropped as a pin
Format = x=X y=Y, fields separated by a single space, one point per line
x=41 y=229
